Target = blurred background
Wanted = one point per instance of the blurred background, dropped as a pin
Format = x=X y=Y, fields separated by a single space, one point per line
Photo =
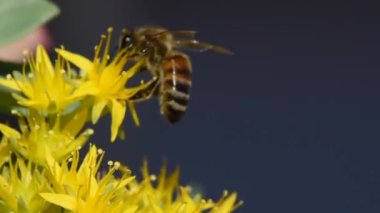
x=290 y=122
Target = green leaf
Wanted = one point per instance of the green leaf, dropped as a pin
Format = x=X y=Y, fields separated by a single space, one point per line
x=20 y=17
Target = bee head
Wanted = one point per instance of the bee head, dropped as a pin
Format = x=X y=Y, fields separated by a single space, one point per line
x=146 y=48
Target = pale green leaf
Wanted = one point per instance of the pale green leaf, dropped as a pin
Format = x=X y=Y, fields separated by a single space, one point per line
x=20 y=17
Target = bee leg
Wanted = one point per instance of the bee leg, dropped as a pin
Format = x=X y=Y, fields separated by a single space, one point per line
x=145 y=93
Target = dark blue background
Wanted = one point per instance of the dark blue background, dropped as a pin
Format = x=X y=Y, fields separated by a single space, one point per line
x=291 y=121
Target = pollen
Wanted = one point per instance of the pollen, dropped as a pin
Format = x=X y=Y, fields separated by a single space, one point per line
x=90 y=132
x=153 y=177
x=117 y=165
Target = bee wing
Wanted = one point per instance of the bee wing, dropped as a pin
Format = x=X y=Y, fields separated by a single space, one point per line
x=184 y=34
x=198 y=46
x=178 y=34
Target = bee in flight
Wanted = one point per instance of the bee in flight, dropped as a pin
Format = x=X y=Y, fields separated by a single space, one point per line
x=170 y=67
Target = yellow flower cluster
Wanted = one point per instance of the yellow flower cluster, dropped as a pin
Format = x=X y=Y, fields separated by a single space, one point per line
x=40 y=165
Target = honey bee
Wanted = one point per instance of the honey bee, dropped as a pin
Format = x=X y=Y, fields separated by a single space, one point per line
x=170 y=67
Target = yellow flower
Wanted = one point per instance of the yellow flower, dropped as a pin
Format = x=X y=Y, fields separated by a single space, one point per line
x=79 y=188
x=40 y=167
x=46 y=88
x=105 y=81
x=167 y=196
x=39 y=138
x=20 y=185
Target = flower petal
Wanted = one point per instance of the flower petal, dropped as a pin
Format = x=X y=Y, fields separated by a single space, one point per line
x=134 y=113
x=134 y=69
x=9 y=132
x=75 y=124
x=80 y=61
x=65 y=201
x=98 y=109
x=227 y=205
x=6 y=195
x=43 y=60
x=86 y=88
x=118 y=113
x=9 y=83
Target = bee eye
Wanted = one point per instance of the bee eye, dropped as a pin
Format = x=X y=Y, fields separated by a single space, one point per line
x=128 y=41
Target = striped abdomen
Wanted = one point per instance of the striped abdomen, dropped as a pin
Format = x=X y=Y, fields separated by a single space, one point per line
x=175 y=86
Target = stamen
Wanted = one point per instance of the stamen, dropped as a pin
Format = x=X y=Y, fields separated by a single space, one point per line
x=153 y=177
x=106 y=48
x=189 y=188
x=117 y=165
x=90 y=131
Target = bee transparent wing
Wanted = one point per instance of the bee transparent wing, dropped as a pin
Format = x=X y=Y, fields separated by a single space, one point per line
x=178 y=34
x=184 y=34
x=198 y=46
